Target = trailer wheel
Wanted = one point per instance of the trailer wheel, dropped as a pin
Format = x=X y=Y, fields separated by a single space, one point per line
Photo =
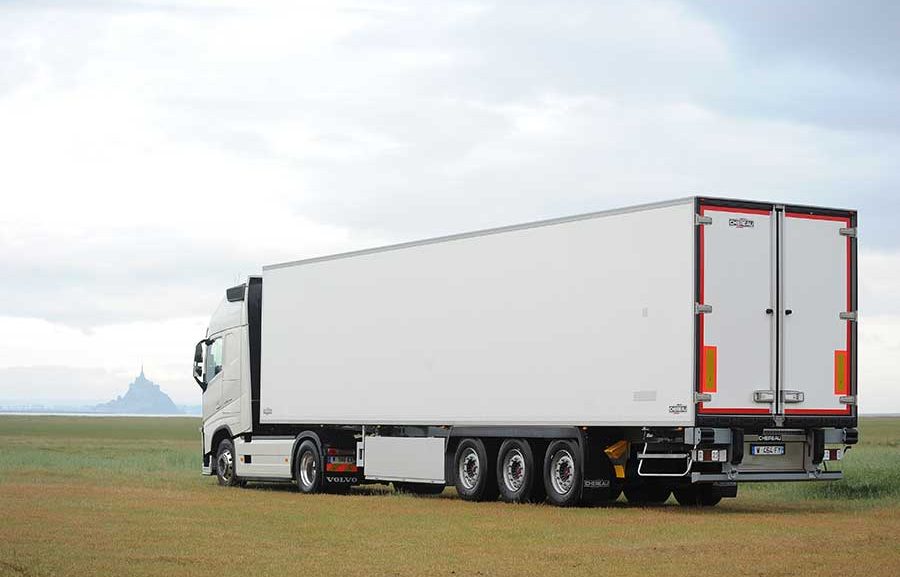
x=308 y=468
x=474 y=466
x=225 y=471
x=697 y=496
x=418 y=488
x=516 y=471
x=647 y=494
x=563 y=474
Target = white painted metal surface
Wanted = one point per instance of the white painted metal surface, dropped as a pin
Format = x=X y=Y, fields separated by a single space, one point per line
x=582 y=321
x=738 y=336
x=269 y=457
x=816 y=265
x=413 y=459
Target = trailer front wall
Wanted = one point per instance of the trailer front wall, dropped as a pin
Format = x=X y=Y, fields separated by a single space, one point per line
x=584 y=321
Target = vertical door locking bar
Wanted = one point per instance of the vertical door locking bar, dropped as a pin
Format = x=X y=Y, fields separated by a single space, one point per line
x=778 y=406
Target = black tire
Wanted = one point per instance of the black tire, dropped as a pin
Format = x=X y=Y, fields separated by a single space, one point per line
x=225 y=464
x=473 y=471
x=516 y=471
x=647 y=494
x=308 y=469
x=563 y=473
x=697 y=496
x=418 y=488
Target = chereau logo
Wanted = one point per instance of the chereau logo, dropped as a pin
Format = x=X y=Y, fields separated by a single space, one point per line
x=740 y=222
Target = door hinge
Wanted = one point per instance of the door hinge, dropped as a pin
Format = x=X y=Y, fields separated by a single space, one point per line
x=793 y=396
x=850 y=231
x=702 y=397
x=702 y=309
x=848 y=316
x=764 y=396
x=848 y=400
x=702 y=219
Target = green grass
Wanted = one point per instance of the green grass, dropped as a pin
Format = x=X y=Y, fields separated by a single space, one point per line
x=124 y=496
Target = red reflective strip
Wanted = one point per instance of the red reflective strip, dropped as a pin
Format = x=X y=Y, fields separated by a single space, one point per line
x=341 y=467
x=732 y=411
x=818 y=411
x=816 y=216
x=737 y=210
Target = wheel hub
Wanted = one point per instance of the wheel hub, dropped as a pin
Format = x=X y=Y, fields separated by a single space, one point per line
x=563 y=472
x=308 y=469
x=514 y=470
x=469 y=469
x=225 y=465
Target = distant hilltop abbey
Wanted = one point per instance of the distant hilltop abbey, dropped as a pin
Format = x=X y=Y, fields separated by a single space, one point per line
x=143 y=398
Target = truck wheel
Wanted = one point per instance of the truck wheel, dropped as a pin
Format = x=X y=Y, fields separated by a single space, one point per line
x=418 y=488
x=516 y=471
x=563 y=475
x=697 y=496
x=225 y=471
x=308 y=468
x=647 y=494
x=474 y=479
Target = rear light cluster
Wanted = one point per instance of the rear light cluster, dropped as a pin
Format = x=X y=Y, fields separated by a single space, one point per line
x=710 y=455
x=833 y=455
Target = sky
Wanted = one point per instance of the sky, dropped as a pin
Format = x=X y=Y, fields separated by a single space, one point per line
x=154 y=153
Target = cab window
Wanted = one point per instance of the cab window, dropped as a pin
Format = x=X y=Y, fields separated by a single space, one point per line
x=213 y=359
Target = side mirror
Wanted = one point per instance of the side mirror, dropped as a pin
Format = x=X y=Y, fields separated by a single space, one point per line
x=198 y=365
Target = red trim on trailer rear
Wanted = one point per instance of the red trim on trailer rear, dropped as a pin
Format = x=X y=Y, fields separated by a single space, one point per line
x=818 y=217
x=740 y=210
x=730 y=411
x=818 y=411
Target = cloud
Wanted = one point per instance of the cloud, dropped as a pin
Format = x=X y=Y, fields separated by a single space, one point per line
x=154 y=155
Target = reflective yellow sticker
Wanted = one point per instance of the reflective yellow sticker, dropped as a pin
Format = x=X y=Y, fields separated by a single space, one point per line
x=840 y=373
x=708 y=370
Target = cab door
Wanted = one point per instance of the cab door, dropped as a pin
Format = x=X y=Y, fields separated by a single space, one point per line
x=818 y=313
x=737 y=304
x=212 y=375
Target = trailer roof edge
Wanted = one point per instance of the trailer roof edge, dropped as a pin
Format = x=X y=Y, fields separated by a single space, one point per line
x=485 y=232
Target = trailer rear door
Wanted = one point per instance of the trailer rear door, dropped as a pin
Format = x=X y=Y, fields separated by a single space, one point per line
x=776 y=326
x=737 y=276
x=816 y=270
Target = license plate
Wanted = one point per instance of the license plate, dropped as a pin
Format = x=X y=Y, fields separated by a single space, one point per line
x=767 y=450
x=342 y=460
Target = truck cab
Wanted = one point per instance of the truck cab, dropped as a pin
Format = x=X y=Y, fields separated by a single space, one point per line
x=222 y=371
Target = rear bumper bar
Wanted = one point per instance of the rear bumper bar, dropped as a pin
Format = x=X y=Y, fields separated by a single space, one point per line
x=768 y=476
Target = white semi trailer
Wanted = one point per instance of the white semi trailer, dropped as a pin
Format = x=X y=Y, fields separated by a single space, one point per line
x=680 y=347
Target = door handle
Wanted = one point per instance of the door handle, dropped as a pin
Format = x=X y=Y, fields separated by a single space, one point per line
x=788 y=311
x=769 y=311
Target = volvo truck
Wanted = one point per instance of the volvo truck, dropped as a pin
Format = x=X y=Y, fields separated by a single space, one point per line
x=678 y=348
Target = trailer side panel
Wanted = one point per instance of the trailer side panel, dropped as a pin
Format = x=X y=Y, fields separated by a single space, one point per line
x=587 y=321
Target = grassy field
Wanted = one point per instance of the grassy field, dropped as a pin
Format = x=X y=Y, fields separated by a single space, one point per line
x=124 y=496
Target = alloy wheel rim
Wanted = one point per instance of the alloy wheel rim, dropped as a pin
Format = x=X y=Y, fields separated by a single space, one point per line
x=226 y=465
x=308 y=469
x=562 y=472
x=514 y=470
x=469 y=469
